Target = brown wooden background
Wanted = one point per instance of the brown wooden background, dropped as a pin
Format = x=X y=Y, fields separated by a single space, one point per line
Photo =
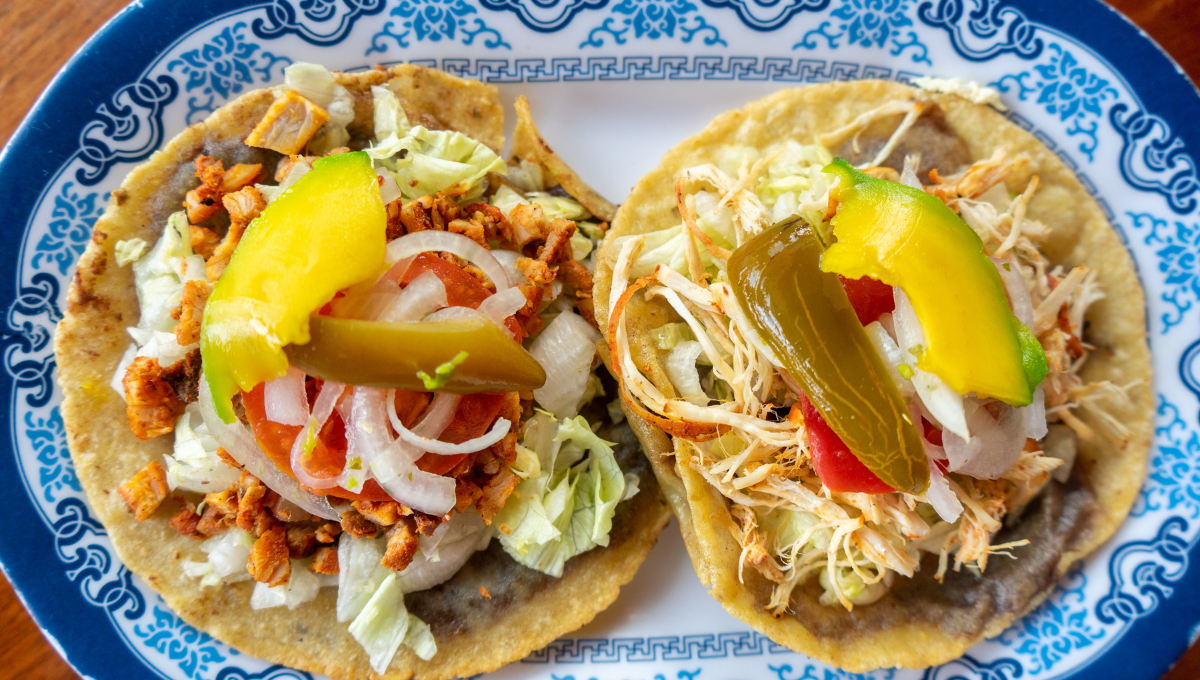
x=37 y=36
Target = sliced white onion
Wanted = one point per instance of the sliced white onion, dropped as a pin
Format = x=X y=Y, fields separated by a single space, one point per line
x=943 y=499
x=423 y=295
x=240 y=444
x=909 y=176
x=942 y=401
x=445 y=242
x=1014 y=286
x=369 y=305
x=565 y=349
x=367 y=435
x=322 y=408
x=508 y=260
x=388 y=189
x=499 y=429
x=502 y=305
x=436 y=417
x=1033 y=416
x=467 y=533
x=994 y=446
x=681 y=369
x=397 y=473
x=285 y=400
x=450 y=313
x=429 y=544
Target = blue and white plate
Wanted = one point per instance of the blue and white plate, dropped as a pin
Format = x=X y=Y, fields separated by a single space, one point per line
x=614 y=84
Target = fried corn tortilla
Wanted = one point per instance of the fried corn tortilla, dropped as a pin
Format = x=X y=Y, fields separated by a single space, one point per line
x=919 y=622
x=526 y=609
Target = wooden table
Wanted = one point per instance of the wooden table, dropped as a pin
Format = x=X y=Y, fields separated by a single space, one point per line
x=37 y=37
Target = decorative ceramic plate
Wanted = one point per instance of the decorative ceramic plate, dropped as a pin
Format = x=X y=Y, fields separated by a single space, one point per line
x=615 y=83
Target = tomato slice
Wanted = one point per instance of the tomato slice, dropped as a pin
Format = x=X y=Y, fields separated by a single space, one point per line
x=837 y=467
x=870 y=298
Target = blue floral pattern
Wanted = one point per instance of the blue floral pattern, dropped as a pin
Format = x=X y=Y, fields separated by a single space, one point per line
x=1173 y=482
x=870 y=23
x=436 y=20
x=183 y=644
x=1177 y=246
x=222 y=68
x=1062 y=82
x=654 y=19
x=1067 y=90
x=1052 y=631
x=812 y=672
x=49 y=440
x=71 y=225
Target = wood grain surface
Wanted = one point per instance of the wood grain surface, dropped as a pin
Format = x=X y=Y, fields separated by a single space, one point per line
x=38 y=36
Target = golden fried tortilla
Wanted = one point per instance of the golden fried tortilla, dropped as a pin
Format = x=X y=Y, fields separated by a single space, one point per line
x=920 y=622
x=526 y=610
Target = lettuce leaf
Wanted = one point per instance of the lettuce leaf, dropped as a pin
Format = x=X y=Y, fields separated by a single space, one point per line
x=568 y=508
x=427 y=161
x=382 y=624
x=195 y=465
x=227 y=557
x=157 y=279
x=420 y=639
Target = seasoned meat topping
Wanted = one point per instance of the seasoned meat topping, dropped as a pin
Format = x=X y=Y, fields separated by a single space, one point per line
x=145 y=491
x=151 y=404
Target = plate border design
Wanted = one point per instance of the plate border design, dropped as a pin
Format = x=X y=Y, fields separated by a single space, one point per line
x=128 y=125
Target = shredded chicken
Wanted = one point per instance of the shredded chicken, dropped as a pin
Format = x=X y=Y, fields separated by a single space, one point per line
x=289 y=125
x=203 y=240
x=145 y=491
x=152 y=406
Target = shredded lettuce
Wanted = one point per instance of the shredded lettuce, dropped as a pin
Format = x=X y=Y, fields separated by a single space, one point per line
x=382 y=624
x=371 y=597
x=568 y=508
x=195 y=465
x=359 y=574
x=156 y=275
x=270 y=192
x=130 y=250
x=668 y=335
x=227 y=557
x=552 y=206
x=420 y=639
x=427 y=161
x=302 y=586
